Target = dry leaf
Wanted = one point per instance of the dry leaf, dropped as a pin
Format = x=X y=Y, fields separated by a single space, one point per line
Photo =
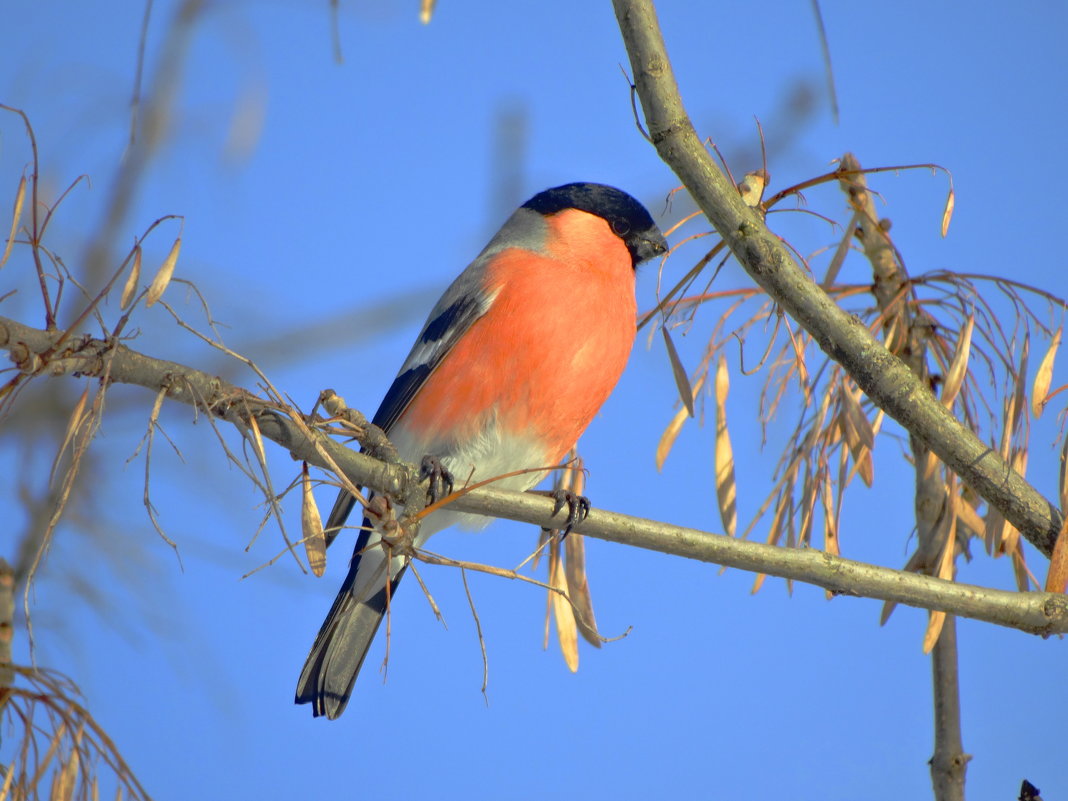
x=959 y=366
x=781 y=519
x=799 y=362
x=1044 y=376
x=911 y=566
x=543 y=538
x=1019 y=397
x=73 y=424
x=945 y=571
x=930 y=464
x=888 y=609
x=566 y=631
x=578 y=588
x=1063 y=480
x=968 y=516
x=671 y=433
x=578 y=585
x=726 y=490
x=808 y=509
x=858 y=433
x=16 y=215
x=1019 y=461
x=163 y=277
x=777 y=527
x=1057 y=577
x=994 y=531
x=1008 y=414
x=935 y=621
x=257 y=440
x=5 y=788
x=840 y=252
x=1025 y=579
x=312 y=527
x=1010 y=540
x=947 y=213
x=791 y=531
x=945 y=565
x=865 y=467
x=682 y=381
x=841 y=431
x=63 y=780
x=830 y=518
x=132 y=279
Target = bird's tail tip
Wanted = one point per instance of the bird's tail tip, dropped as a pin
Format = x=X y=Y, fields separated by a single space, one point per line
x=336 y=657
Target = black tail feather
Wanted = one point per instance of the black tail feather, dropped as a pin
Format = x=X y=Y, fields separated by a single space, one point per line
x=342 y=644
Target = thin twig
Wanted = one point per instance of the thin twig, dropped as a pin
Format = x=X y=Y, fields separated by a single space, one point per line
x=481 y=639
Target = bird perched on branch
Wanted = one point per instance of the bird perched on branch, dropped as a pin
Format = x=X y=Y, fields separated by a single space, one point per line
x=510 y=367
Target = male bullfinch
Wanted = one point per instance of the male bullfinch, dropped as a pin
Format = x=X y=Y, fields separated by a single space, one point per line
x=512 y=364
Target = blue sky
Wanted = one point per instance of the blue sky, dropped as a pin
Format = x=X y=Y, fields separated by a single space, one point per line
x=374 y=182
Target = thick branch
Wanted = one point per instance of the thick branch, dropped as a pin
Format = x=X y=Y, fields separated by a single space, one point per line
x=1038 y=613
x=883 y=377
x=949 y=762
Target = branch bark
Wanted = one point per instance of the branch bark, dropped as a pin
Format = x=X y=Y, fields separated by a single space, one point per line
x=949 y=762
x=35 y=353
x=883 y=377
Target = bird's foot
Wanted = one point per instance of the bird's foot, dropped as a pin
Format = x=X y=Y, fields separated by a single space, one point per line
x=578 y=507
x=439 y=480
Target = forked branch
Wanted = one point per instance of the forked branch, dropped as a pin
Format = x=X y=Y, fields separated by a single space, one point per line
x=883 y=377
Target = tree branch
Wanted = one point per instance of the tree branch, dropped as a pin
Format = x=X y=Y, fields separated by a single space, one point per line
x=35 y=354
x=882 y=376
x=949 y=762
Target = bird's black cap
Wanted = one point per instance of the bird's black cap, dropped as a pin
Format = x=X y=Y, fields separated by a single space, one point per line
x=629 y=219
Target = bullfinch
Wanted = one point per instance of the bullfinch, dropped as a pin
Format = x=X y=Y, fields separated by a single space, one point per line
x=510 y=367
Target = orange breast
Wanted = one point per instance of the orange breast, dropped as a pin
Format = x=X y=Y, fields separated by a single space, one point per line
x=545 y=357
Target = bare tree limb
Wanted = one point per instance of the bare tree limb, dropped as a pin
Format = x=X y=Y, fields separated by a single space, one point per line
x=882 y=376
x=34 y=353
x=949 y=762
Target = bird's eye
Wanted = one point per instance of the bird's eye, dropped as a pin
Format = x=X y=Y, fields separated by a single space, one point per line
x=620 y=228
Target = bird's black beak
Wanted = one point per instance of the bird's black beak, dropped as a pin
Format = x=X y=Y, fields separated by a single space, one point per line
x=649 y=244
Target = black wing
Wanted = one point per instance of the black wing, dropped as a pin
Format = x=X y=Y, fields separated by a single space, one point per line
x=441 y=332
x=448 y=322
